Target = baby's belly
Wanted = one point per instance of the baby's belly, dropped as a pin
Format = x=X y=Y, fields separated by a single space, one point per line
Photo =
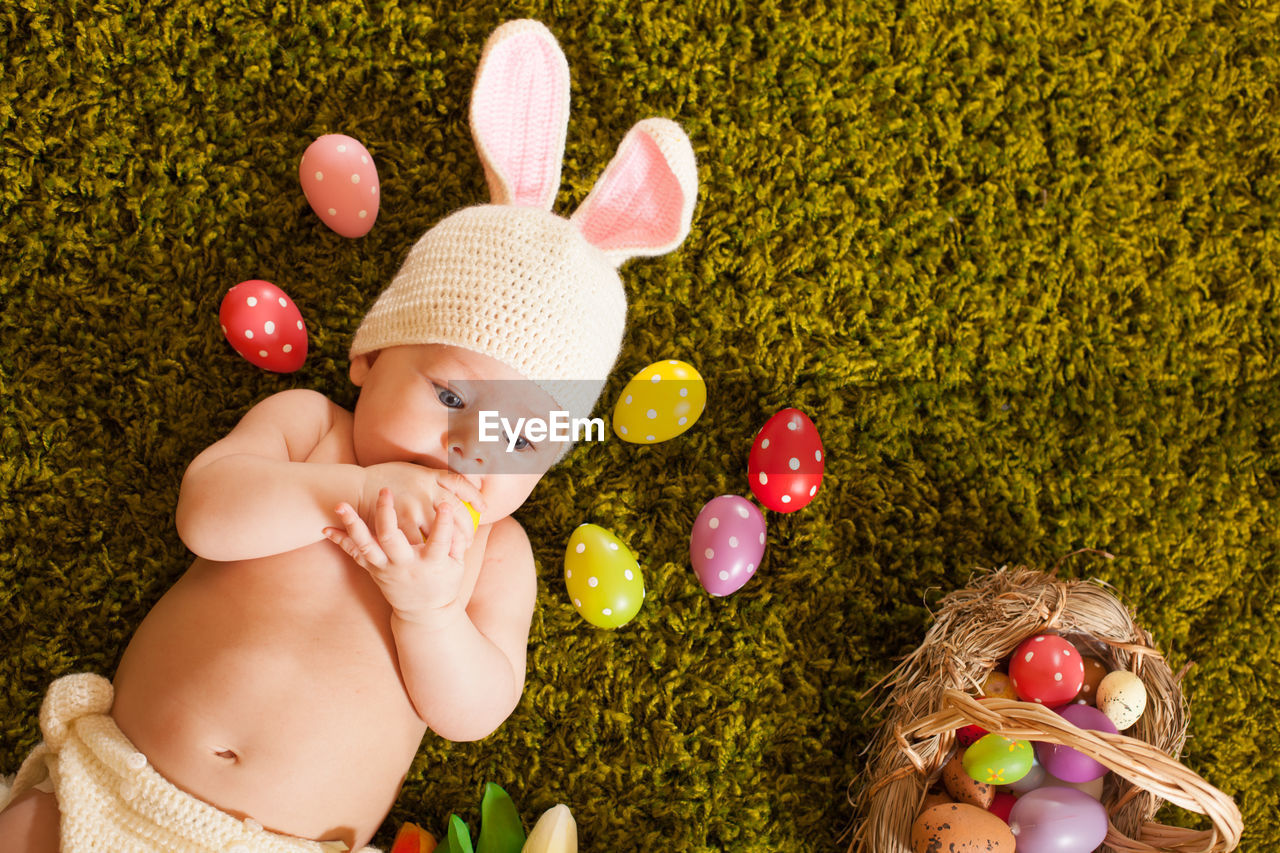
x=270 y=689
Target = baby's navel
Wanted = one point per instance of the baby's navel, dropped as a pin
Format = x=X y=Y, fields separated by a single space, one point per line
x=227 y=754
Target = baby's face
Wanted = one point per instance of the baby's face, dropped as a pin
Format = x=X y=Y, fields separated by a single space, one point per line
x=422 y=404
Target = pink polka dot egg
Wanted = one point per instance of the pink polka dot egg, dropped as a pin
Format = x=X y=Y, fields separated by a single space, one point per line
x=264 y=325
x=727 y=544
x=341 y=184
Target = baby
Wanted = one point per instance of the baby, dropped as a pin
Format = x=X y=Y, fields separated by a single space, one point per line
x=342 y=601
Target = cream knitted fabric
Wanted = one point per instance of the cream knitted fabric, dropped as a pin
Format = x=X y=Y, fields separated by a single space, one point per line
x=111 y=799
x=512 y=280
x=518 y=284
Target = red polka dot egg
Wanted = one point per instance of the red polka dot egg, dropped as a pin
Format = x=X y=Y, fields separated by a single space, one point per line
x=264 y=325
x=341 y=184
x=786 y=462
x=1047 y=669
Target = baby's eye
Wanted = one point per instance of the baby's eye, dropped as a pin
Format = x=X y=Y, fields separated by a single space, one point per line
x=522 y=443
x=450 y=399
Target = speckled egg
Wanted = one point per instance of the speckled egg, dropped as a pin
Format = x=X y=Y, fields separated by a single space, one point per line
x=1122 y=697
x=960 y=828
x=340 y=182
x=962 y=787
x=602 y=577
x=660 y=402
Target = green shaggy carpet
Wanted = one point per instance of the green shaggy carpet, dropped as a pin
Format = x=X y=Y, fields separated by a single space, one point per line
x=1019 y=265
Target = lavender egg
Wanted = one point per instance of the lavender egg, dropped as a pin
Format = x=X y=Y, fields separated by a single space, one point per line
x=727 y=544
x=1071 y=765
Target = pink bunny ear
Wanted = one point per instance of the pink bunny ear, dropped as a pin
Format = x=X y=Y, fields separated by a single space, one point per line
x=643 y=203
x=520 y=112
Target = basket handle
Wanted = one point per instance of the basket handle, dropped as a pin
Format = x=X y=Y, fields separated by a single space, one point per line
x=1138 y=761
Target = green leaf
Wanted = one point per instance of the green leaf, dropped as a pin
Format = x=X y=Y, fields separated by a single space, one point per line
x=500 y=827
x=457 y=839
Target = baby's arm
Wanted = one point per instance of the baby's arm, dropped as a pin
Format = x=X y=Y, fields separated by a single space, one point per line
x=465 y=670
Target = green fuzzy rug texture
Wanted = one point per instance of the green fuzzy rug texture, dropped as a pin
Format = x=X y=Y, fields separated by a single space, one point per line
x=1017 y=261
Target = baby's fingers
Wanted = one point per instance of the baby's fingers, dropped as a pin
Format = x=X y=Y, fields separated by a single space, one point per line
x=356 y=541
x=385 y=524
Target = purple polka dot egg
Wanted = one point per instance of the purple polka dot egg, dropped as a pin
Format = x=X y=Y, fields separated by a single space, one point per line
x=727 y=544
x=341 y=184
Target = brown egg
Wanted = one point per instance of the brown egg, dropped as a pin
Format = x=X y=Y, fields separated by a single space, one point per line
x=960 y=828
x=934 y=798
x=962 y=787
x=1094 y=671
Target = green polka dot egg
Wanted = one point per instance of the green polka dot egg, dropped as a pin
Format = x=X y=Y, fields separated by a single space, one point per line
x=998 y=760
x=660 y=402
x=602 y=577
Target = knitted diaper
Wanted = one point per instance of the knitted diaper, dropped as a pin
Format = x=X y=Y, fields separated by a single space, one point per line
x=111 y=799
x=514 y=281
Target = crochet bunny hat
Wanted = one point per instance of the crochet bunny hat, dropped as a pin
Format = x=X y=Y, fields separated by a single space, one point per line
x=511 y=279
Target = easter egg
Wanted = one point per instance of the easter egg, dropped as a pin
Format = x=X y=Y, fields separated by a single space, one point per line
x=1094 y=671
x=264 y=325
x=999 y=685
x=727 y=543
x=971 y=734
x=960 y=828
x=1057 y=820
x=1093 y=787
x=998 y=760
x=1122 y=697
x=786 y=462
x=341 y=184
x=602 y=577
x=962 y=787
x=1001 y=806
x=659 y=402
x=1035 y=777
x=1047 y=669
x=1072 y=765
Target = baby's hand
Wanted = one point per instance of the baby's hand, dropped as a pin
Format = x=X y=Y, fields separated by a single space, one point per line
x=417 y=580
x=417 y=490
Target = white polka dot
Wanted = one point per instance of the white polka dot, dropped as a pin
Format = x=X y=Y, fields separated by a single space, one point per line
x=628 y=400
x=284 y=303
x=682 y=421
x=373 y=190
x=709 y=553
x=582 y=546
x=607 y=611
x=1029 y=656
x=341 y=148
x=650 y=438
x=714 y=522
x=224 y=329
x=269 y=327
x=793 y=425
x=613 y=546
x=656 y=378
x=248 y=333
x=817 y=456
x=1040 y=639
x=733 y=541
x=577 y=602
x=1066 y=653
x=568 y=573
x=333 y=212
x=319 y=176
x=628 y=574
x=1057 y=676
x=786 y=499
x=751 y=567
x=624 y=430
x=251 y=301
x=764 y=479
x=724 y=576
x=593 y=581
x=742 y=511
x=363 y=214
x=684 y=392
x=813 y=490
x=764 y=445
x=651 y=414
x=355 y=179
x=761 y=538
x=299 y=325
x=262 y=353
x=364 y=159
x=1039 y=702
x=288 y=348
x=794 y=464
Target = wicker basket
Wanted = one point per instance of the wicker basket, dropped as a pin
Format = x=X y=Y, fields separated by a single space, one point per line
x=927 y=697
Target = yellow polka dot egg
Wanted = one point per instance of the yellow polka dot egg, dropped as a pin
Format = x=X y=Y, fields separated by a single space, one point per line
x=602 y=577
x=660 y=402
